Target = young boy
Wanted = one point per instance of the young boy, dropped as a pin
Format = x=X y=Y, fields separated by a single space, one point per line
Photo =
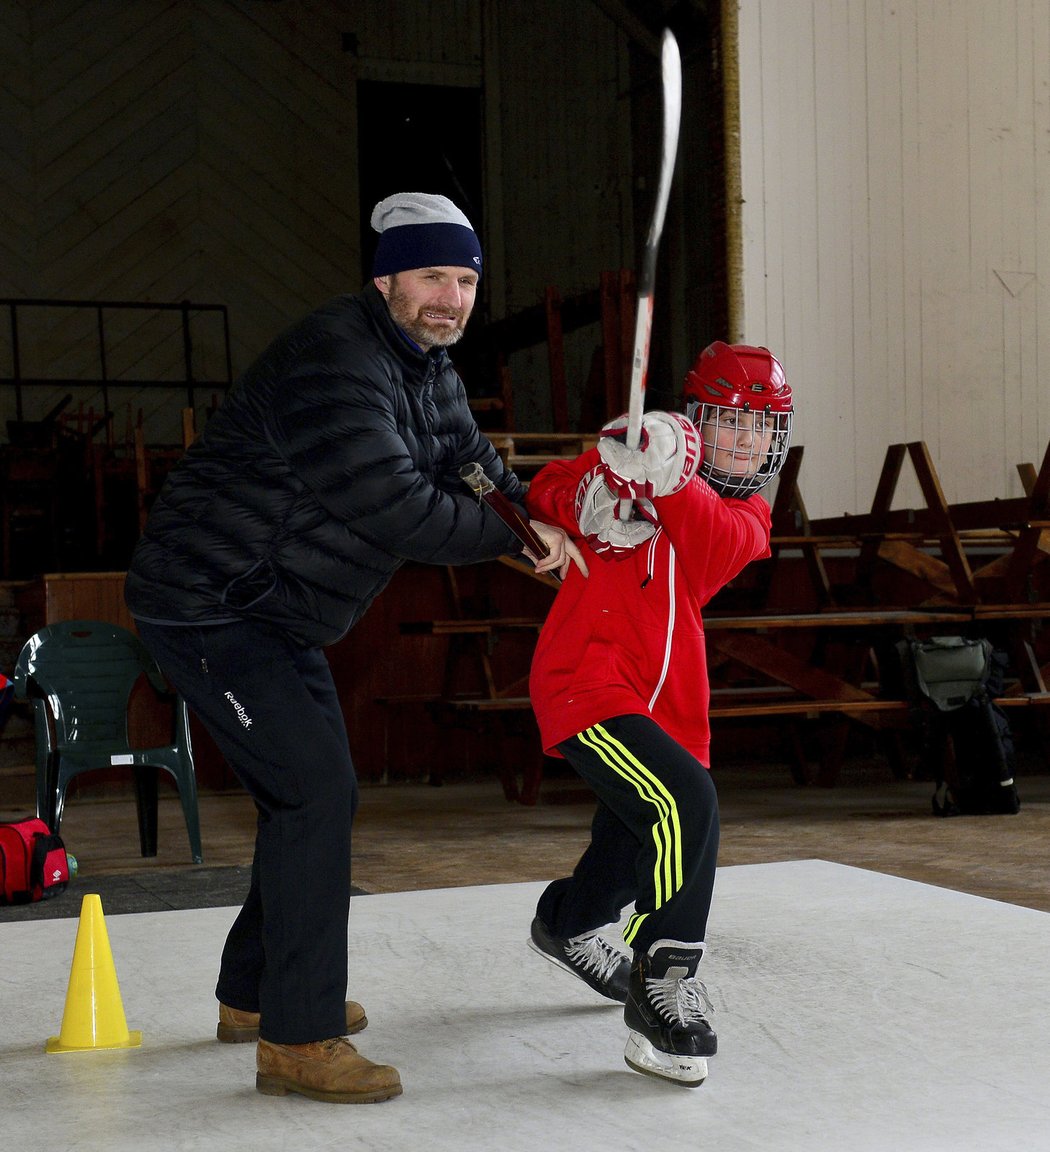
x=619 y=686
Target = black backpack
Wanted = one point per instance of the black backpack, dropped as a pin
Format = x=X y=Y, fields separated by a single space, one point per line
x=965 y=735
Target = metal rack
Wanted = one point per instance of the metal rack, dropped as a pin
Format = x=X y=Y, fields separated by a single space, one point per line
x=103 y=382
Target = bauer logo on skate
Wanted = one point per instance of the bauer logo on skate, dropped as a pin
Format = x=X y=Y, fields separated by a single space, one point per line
x=243 y=716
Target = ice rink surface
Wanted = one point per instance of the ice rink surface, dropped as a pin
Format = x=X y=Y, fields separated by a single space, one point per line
x=855 y=1012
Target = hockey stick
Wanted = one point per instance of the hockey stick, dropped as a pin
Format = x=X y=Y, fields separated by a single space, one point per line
x=484 y=489
x=671 y=69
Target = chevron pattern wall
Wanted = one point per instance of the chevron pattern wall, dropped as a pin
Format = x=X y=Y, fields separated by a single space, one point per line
x=169 y=151
x=207 y=151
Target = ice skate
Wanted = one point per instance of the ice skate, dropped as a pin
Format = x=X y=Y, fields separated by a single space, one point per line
x=666 y=1013
x=588 y=956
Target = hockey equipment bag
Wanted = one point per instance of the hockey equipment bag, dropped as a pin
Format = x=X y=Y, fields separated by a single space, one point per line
x=33 y=862
x=965 y=734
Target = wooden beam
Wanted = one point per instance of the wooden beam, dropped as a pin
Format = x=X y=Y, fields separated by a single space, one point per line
x=951 y=548
x=556 y=360
x=630 y=25
x=1030 y=537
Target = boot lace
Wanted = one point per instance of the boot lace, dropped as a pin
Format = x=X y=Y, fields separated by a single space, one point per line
x=594 y=954
x=336 y=1042
x=679 y=999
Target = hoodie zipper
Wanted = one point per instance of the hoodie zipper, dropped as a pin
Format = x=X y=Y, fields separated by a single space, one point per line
x=670 y=617
x=650 y=558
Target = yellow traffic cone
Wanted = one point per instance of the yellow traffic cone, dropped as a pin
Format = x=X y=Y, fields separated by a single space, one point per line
x=94 y=1015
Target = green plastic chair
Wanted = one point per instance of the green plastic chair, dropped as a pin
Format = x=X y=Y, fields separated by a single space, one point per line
x=79 y=675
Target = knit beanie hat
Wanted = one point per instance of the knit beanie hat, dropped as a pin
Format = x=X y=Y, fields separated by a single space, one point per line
x=419 y=230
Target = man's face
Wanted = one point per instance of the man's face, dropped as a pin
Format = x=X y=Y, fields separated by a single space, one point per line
x=431 y=304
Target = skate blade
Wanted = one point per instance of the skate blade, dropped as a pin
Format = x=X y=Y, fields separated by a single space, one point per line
x=689 y=1071
x=547 y=956
x=606 y=992
x=553 y=959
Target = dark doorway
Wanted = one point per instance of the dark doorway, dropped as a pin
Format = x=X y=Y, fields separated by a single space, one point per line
x=418 y=138
x=426 y=138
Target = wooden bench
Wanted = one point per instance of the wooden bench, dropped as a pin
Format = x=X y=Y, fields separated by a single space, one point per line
x=503 y=720
x=527 y=452
x=496 y=715
x=793 y=685
x=825 y=662
x=481 y=627
x=829 y=678
x=1016 y=525
x=725 y=705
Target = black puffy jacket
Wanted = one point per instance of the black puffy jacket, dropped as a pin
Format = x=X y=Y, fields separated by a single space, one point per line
x=333 y=461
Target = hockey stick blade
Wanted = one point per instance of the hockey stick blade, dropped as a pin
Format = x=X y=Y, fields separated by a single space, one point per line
x=671 y=70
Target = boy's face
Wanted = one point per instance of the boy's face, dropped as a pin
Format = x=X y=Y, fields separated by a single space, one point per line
x=737 y=443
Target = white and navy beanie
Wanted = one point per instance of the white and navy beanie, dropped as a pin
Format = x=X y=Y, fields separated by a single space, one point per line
x=420 y=230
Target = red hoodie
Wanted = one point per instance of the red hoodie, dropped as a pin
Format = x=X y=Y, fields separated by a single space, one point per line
x=629 y=639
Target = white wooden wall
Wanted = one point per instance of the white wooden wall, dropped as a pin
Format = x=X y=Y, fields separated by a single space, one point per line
x=895 y=162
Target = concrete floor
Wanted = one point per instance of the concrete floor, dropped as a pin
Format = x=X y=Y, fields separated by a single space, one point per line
x=413 y=837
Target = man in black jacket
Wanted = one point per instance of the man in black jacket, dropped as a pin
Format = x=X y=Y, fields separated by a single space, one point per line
x=334 y=460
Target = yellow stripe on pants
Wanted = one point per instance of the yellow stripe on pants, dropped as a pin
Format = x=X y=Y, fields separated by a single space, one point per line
x=666 y=828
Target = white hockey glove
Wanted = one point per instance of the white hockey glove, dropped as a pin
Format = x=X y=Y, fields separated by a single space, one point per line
x=597 y=512
x=666 y=459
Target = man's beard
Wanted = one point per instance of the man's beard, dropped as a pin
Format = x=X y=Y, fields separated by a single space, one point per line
x=426 y=334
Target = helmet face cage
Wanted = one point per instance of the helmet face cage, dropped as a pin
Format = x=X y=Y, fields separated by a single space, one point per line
x=739 y=399
x=744 y=447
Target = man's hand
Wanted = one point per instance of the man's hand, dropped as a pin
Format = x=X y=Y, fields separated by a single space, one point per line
x=563 y=551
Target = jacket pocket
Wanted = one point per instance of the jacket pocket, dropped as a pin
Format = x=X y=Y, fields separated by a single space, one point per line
x=622 y=654
x=246 y=590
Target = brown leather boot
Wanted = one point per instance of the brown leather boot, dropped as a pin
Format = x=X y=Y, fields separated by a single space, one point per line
x=329 y=1070
x=237 y=1027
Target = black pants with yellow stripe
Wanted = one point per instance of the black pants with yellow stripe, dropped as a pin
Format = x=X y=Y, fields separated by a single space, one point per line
x=654 y=838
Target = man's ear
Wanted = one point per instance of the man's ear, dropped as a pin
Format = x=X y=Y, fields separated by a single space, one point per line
x=382 y=283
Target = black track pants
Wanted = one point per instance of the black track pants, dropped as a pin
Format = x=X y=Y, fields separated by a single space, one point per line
x=273 y=712
x=654 y=837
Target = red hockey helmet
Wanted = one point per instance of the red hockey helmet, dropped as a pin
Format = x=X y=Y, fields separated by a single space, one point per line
x=738 y=397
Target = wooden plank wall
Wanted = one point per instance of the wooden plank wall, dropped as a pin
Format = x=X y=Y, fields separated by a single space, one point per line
x=893 y=161
x=208 y=152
